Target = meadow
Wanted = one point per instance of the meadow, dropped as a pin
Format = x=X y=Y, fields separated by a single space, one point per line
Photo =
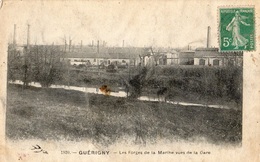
x=58 y=114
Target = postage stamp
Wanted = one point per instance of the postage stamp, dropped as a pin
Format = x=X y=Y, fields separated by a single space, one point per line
x=237 y=29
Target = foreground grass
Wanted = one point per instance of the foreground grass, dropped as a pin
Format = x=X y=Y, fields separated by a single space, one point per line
x=58 y=114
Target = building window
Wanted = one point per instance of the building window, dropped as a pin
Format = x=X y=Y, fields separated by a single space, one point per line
x=108 y=62
x=123 y=61
x=216 y=62
x=95 y=60
x=202 y=62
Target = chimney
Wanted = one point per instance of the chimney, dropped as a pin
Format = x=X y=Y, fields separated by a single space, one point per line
x=123 y=43
x=65 y=46
x=98 y=46
x=208 y=37
x=14 y=36
x=28 y=37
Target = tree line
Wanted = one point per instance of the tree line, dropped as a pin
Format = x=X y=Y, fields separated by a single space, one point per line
x=43 y=64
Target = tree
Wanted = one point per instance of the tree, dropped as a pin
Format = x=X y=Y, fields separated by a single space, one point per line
x=38 y=64
x=14 y=64
x=47 y=67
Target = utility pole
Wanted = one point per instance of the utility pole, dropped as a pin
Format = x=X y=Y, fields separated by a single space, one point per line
x=128 y=73
x=14 y=36
x=28 y=37
x=98 y=56
x=25 y=66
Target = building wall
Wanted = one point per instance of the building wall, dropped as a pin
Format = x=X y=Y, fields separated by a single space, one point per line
x=149 y=61
x=118 y=61
x=186 y=58
x=84 y=61
x=186 y=54
x=223 y=61
x=172 y=58
x=206 y=52
x=172 y=61
x=209 y=61
x=211 y=54
x=97 y=61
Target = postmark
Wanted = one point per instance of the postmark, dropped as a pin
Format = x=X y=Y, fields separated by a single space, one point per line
x=237 y=29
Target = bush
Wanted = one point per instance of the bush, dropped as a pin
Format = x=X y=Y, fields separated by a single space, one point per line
x=214 y=81
x=38 y=64
x=111 y=68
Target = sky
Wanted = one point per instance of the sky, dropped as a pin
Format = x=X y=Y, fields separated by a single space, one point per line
x=158 y=24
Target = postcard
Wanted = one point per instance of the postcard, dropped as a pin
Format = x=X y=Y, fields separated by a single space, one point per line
x=130 y=80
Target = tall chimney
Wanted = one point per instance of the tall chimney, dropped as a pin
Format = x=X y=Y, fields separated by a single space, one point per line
x=123 y=43
x=208 y=37
x=28 y=37
x=70 y=42
x=65 y=45
x=14 y=36
x=98 y=46
x=98 y=56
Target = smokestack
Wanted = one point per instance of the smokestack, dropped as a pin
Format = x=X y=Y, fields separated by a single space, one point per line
x=123 y=43
x=14 y=36
x=98 y=56
x=28 y=37
x=65 y=45
x=98 y=46
x=92 y=43
x=70 y=41
x=208 y=37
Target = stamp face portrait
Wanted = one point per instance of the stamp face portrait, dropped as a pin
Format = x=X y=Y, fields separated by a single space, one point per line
x=237 y=29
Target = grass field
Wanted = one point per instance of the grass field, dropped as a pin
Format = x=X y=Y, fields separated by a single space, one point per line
x=57 y=114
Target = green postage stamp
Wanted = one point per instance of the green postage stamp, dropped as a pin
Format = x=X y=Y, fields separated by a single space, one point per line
x=237 y=29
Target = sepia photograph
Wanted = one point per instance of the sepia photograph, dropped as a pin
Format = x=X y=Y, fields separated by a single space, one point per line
x=123 y=73
x=108 y=93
